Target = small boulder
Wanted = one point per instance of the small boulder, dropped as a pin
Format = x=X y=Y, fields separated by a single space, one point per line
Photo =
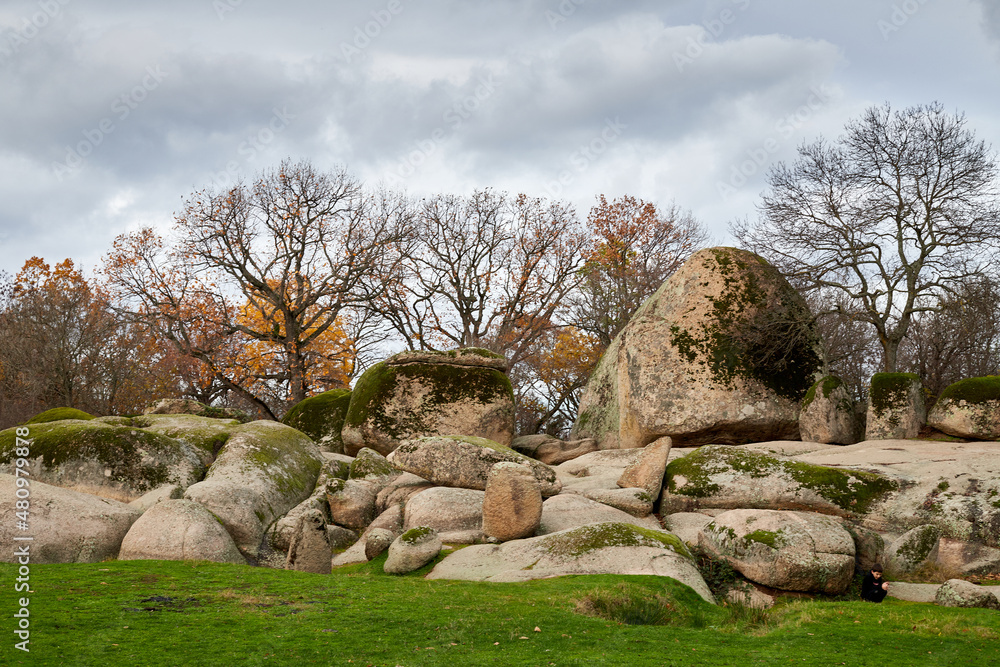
x=321 y=417
x=465 y=462
x=309 y=550
x=412 y=550
x=512 y=502
x=371 y=466
x=793 y=551
x=647 y=473
x=391 y=519
x=340 y=537
x=351 y=502
x=377 y=541
x=869 y=547
x=67 y=526
x=159 y=494
x=913 y=549
x=687 y=525
x=550 y=450
x=961 y=593
x=969 y=409
x=455 y=514
x=179 y=530
x=414 y=394
x=895 y=407
x=636 y=502
x=828 y=414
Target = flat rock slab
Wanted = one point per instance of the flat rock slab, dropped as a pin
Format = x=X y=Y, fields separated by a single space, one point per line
x=567 y=511
x=913 y=592
x=608 y=548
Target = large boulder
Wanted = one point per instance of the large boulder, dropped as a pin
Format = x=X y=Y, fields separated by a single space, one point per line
x=92 y=454
x=512 y=504
x=723 y=352
x=321 y=417
x=351 y=502
x=792 y=551
x=895 y=407
x=264 y=470
x=59 y=414
x=179 y=530
x=961 y=593
x=969 y=409
x=913 y=550
x=455 y=514
x=723 y=477
x=828 y=414
x=65 y=526
x=206 y=434
x=413 y=394
x=606 y=548
x=465 y=462
x=551 y=450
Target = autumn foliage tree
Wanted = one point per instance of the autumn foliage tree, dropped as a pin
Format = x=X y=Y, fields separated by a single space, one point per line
x=266 y=269
x=635 y=246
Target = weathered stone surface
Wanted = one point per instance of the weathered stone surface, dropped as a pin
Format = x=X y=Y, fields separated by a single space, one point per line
x=828 y=414
x=696 y=363
x=465 y=462
x=455 y=514
x=687 y=525
x=175 y=406
x=597 y=470
x=968 y=558
x=550 y=450
x=636 y=502
x=281 y=531
x=179 y=530
x=377 y=541
x=969 y=409
x=869 y=547
x=159 y=494
x=647 y=473
x=400 y=490
x=952 y=485
x=321 y=417
x=412 y=550
x=206 y=434
x=264 y=470
x=567 y=511
x=895 y=407
x=512 y=503
x=410 y=395
x=67 y=527
x=369 y=465
x=717 y=476
x=902 y=590
x=913 y=550
x=336 y=466
x=92 y=454
x=391 y=519
x=794 y=551
x=606 y=548
x=351 y=502
x=309 y=550
x=961 y=593
x=340 y=537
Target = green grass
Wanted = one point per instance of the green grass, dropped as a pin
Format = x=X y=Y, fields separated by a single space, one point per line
x=168 y=613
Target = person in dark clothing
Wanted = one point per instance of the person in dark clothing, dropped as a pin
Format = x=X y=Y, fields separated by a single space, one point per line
x=873 y=588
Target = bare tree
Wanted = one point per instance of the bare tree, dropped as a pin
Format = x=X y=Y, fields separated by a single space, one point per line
x=266 y=268
x=893 y=216
x=485 y=270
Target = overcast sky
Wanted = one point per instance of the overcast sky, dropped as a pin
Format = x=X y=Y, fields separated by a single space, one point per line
x=112 y=112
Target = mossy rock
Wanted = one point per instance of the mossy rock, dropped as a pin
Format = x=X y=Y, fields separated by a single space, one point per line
x=369 y=464
x=579 y=542
x=969 y=409
x=394 y=402
x=723 y=352
x=206 y=434
x=896 y=409
x=828 y=414
x=91 y=454
x=731 y=477
x=58 y=414
x=321 y=417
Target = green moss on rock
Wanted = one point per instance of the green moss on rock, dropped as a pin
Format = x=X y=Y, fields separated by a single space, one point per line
x=890 y=390
x=321 y=417
x=415 y=535
x=826 y=385
x=767 y=537
x=58 y=414
x=581 y=541
x=369 y=464
x=974 y=390
x=850 y=490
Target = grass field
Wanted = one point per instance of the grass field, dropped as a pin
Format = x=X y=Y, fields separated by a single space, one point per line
x=170 y=613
